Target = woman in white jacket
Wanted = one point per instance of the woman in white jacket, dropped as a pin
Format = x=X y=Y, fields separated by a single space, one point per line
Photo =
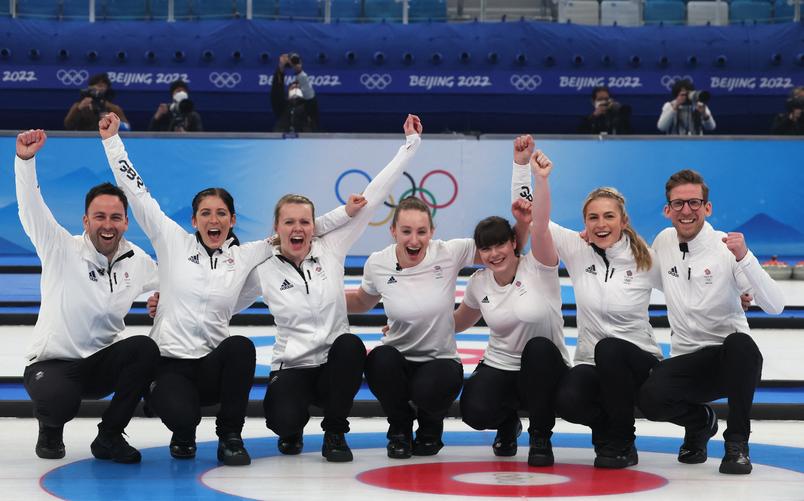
x=200 y=278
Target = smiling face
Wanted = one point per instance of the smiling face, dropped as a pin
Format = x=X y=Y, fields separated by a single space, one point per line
x=687 y=222
x=604 y=222
x=213 y=220
x=295 y=225
x=500 y=258
x=412 y=232
x=105 y=222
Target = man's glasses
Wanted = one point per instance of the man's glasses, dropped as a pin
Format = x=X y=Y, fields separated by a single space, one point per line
x=678 y=204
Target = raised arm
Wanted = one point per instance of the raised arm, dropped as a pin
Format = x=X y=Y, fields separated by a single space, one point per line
x=36 y=218
x=146 y=210
x=339 y=216
x=541 y=240
x=752 y=278
x=378 y=189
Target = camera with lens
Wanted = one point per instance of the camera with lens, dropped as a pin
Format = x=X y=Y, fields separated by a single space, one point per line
x=180 y=114
x=293 y=60
x=98 y=99
x=699 y=96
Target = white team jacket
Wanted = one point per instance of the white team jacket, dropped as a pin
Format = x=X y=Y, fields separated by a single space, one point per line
x=308 y=302
x=703 y=285
x=84 y=298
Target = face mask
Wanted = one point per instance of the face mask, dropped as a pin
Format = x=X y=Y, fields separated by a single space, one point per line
x=295 y=94
x=180 y=96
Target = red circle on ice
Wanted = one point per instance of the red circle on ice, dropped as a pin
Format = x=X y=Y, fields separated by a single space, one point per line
x=510 y=479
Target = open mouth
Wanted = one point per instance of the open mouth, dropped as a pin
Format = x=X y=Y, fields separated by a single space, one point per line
x=602 y=234
x=296 y=242
x=413 y=252
x=496 y=261
x=214 y=233
x=107 y=237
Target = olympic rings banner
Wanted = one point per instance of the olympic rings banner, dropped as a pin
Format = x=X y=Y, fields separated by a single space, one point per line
x=526 y=81
x=462 y=180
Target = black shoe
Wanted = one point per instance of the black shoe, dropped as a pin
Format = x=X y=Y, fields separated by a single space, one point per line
x=335 y=449
x=505 y=442
x=182 y=448
x=231 y=450
x=290 y=445
x=736 y=460
x=541 y=450
x=113 y=446
x=426 y=446
x=693 y=450
x=399 y=446
x=49 y=444
x=616 y=456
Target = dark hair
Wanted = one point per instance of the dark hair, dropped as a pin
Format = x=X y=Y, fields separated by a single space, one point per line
x=104 y=79
x=681 y=85
x=600 y=88
x=686 y=176
x=220 y=193
x=493 y=231
x=179 y=84
x=412 y=203
x=105 y=189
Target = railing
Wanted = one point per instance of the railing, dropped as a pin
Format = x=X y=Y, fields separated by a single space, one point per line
x=455 y=11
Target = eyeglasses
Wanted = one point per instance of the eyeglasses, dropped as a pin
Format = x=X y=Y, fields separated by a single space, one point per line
x=678 y=204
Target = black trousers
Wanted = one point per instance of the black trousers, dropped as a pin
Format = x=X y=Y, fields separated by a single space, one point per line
x=125 y=368
x=224 y=376
x=397 y=383
x=579 y=400
x=678 y=386
x=332 y=386
x=491 y=397
x=623 y=368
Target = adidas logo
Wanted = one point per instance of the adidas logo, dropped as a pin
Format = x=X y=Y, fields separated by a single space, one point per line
x=285 y=285
x=92 y=276
x=391 y=280
x=673 y=271
x=193 y=259
x=591 y=270
x=485 y=300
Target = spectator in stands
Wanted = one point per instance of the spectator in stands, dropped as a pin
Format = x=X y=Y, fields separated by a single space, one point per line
x=608 y=117
x=179 y=115
x=791 y=122
x=687 y=114
x=297 y=109
x=96 y=102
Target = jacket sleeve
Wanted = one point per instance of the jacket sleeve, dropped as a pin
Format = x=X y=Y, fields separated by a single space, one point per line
x=306 y=87
x=341 y=239
x=666 y=118
x=520 y=183
x=146 y=210
x=333 y=219
x=279 y=100
x=36 y=218
x=250 y=292
x=752 y=278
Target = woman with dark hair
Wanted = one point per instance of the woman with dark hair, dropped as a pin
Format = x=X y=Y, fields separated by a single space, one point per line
x=418 y=360
x=520 y=300
x=200 y=276
x=316 y=360
x=612 y=277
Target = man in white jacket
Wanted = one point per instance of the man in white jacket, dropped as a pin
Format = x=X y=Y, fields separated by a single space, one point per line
x=703 y=274
x=88 y=284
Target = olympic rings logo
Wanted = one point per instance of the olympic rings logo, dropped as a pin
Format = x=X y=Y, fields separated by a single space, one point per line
x=72 y=77
x=375 y=81
x=667 y=81
x=412 y=191
x=526 y=82
x=224 y=79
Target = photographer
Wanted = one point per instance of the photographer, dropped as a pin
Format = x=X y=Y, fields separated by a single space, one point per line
x=179 y=115
x=608 y=117
x=96 y=102
x=791 y=122
x=297 y=109
x=687 y=114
